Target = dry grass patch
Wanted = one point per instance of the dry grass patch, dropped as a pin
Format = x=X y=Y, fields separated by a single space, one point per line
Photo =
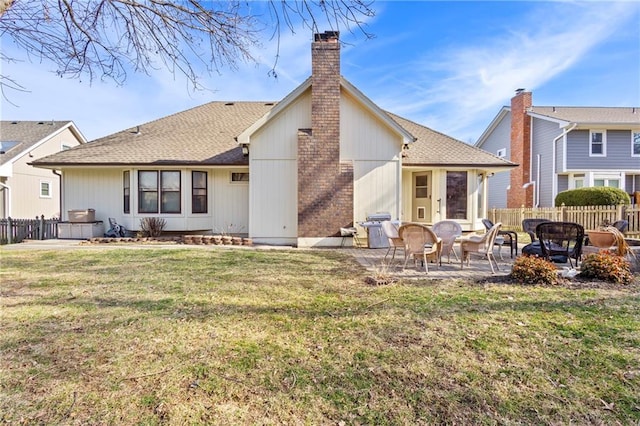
x=269 y=337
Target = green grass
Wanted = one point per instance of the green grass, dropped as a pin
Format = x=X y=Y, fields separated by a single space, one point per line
x=155 y=336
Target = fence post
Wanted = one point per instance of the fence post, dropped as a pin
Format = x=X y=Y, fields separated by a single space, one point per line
x=521 y=213
x=620 y=211
x=563 y=212
x=41 y=228
x=9 y=230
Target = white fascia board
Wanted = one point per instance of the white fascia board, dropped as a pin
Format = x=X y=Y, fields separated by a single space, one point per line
x=6 y=170
x=608 y=126
x=561 y=123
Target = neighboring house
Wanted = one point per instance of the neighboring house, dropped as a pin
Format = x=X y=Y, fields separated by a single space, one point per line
x=26 y=191
x=561 y=148
x=292 y=172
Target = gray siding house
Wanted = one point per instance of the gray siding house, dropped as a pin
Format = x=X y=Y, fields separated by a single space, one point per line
x=561 y=148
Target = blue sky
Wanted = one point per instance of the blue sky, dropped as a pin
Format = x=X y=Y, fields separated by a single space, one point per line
x=447 y=65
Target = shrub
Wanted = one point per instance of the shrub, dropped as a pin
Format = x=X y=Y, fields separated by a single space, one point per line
x=594 y=196
x=608 y=267
x=152 y=226
x=534 y=270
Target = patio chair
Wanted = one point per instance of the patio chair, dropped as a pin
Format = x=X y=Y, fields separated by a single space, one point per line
x=390 y=230
x=503 y=236
x=529 y=226
x=480 y=245
x=560 y=241
x=448 y=231
x=420 y=242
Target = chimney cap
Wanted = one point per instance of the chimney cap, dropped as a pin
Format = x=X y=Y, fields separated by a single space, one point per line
x=519 y=91
x=327 y=35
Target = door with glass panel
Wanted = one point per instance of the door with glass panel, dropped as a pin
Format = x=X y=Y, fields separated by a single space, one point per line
x=421 y=197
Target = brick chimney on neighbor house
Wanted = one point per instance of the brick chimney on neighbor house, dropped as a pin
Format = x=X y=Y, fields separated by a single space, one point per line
x=518 y=196
x=325 y=185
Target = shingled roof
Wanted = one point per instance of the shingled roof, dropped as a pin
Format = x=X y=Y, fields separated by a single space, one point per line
x=433 y=148
x=18 y=136
x=206 y=135
x=590 y=115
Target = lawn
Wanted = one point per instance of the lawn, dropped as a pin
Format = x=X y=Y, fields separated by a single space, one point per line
x=185 y=336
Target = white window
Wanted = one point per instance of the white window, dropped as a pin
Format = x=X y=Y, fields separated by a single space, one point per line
x=597 y=143
x=635 y=144
x=502 y=152
x=606 y=180
x=45 y=189
x=238 y=177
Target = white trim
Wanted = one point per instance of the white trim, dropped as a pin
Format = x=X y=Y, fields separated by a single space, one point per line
x=49 y=185
x=604 y=142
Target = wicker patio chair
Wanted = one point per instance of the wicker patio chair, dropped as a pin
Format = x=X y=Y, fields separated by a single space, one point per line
x=448 y=231
x=420 y=242
x=390 y=230
x=480 y=245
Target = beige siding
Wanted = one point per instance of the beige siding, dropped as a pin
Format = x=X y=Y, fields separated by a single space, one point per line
x=26 y=201
x=273 y=193
x=97 y=189
x=228 y=202
x=274 y=201
x=374 y=149
x=376 y=188
x=363 y=136
x=279 y=138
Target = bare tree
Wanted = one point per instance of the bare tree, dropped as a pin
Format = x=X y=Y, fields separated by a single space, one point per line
x=108 y=38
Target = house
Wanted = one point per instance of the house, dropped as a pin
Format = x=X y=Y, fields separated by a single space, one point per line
x=26 y=191
x=561 y=148
x=291 y=172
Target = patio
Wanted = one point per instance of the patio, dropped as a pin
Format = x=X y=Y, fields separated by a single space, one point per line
x=373 y=260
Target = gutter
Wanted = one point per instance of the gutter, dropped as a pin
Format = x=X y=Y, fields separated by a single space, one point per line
x=59 y=190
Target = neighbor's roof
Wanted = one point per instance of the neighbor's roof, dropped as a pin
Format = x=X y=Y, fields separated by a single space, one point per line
x=19 y=136
x=203 y=135
x=436 y=149
x=589 y=115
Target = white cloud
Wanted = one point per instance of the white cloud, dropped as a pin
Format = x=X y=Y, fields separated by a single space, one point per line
x=482 y=75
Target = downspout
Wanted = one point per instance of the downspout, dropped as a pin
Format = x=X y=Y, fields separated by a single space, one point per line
x=8 y=188
x=553 y=160
x=536 y=201
x=59 y=191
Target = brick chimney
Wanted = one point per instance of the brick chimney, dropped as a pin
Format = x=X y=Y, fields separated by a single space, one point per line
x=520 y=151
x=325 y=186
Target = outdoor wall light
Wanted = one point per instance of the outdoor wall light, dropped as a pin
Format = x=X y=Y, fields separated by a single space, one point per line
x=245 y=149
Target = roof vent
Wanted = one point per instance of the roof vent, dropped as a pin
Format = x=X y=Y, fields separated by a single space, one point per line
x=269 y=104
x=40 y=122
x=554 y=109
x=229 y=103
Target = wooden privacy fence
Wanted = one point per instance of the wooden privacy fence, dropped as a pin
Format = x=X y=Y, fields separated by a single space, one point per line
x=17 y=230
x=591 y=217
